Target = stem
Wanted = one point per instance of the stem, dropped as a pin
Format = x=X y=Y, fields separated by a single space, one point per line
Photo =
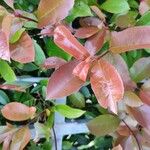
x=139 y=146
x=55 y=138
x=102 y=55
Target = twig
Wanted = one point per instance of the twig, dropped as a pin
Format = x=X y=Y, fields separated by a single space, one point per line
x=102 y=55
x=55 y=138
x=139 y=146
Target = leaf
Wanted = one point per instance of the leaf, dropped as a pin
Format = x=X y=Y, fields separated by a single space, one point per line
x=145 y=96
x=20 y=139
x=53 y=62
x=130 y=39
x=103 y=124
x=118 y=147
x=106 y=84
x=69 y=112
x=118 y=62
x=144 y=6
x=10 y=3
x=65 y=40
x=54 y=50
x=85 y=32
x=117 y=6
x=39 y=54
x=95 y=43
x=23 y=50
x=63 y=82
x=140 y=69
x=77 y=11
x=77 y=100
x=141 y=114
x=22 y=112
x=53 y=11
x=131 y=99
x=15 y=37
x=6 y=71
x=4 y=99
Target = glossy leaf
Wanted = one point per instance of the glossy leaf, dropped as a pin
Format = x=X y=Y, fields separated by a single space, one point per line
x=130 y=39
x=53 y=11
x=107 y=85
x=22 y=112
x=86 y=32
x=140 y=69
x=63 y=82
x=131 y=99
x=103 y=124
x=117 y=6
x=4 y=99
x=69 y=112
x=65 y=40
x=53 y=62
x=6 y=71
x=96 y=42
x=20 y=139
x=23 y=50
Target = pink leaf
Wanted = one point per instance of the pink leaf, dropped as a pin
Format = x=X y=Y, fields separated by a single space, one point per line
x=145 y=96
x=63 y=82
x=53 y=11
x=23 y=50
x=130 y=39
x=53 y=62
x=10 y=3
x=86 y=32
x=107 y=85
x=144 y=6
x=65 y=40
x=95 y=43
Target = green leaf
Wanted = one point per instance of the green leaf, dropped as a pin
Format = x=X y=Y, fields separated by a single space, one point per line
x=115 y=6
x=3 y=98
x=16 y=36
x=144 y=20
x=103 y=124
x=77 y=100
x=80 y=9
x=39 y=54
x=69 y=112
x=54 y=50
x=6 y=71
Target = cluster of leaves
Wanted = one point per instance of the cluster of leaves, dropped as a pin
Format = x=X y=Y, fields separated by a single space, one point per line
x=106 y=46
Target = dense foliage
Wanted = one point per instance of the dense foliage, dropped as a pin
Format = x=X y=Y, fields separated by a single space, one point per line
x=95 y=53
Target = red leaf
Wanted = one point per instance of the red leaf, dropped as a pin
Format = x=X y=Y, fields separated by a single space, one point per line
x=145 y=96
x=17 y=112
x=53 y=11
x=63 y=82
x=142 y=115
x=23 y=50
x=65 y=40
x=118 y=62
x=130 y=39
x=86 y=32
x=53 y=62
x=95 y=43
x=107 y=85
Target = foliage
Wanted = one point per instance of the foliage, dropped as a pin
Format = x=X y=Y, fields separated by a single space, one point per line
x=96 y=53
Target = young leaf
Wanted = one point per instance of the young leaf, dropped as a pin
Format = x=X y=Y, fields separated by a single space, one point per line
x=6 y=71
x=23 y=50
x=130 y=39
x=103 y=124
x=144 y=6
x=53 y=11
x=106 y=84
x=65 y=40
x=140 y=69
x=20 y=139
x=145 y=96
x=17 y=112
x=53 y=62
x=86 y=32
x=63 y=82
x=95 y=43
x=69 y=112
x=117 y=6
